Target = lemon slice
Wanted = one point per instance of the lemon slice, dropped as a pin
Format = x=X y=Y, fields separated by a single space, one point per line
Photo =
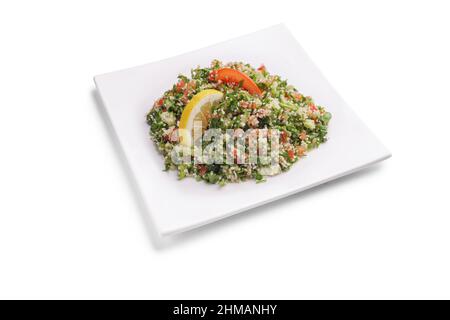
x=197 y=113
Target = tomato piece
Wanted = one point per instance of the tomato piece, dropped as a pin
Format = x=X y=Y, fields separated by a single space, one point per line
x=291 y=154
x=229 y=75
x=284 y=137
x=303 y=136
x=202 y=169
x=180 y=85
x=301 y=151
x=159 y=103
x=297 y=96
x=235 y=153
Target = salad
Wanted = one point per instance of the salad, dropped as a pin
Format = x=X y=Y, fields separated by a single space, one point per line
x=235 y=96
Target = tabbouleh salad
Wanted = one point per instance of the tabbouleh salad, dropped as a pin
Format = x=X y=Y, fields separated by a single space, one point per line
x=252 y=99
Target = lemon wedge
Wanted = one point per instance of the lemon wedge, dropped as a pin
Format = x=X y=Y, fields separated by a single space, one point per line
x=197 y=113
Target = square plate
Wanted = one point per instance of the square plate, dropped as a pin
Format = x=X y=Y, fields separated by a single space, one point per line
x=177 y=206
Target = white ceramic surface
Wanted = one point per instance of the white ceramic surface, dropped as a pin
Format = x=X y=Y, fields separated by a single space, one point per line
x=177 y=206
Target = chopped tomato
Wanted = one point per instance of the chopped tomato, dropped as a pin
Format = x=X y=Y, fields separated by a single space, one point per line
x=303 y=136
x=184 y=98
x=180 y=85
x=262 y=68
x=301 y=151
x=283 y=136
x=202 y=169
x=312 y=107
x=298 y=96
x=291 y=154
x=235 y=153
x=160 y=102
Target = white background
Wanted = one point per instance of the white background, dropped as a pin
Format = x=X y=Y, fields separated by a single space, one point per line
x=70 y=222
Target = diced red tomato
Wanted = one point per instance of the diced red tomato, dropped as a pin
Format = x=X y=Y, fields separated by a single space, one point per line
x=291 y=154
x=283 y=136
x=184 y=98
x=262 y=68
x=180 y=85
x=298 y=96
x=202 y=169
x=303 y=135
x=312 y=107
x=160 y=102
x=301 y=151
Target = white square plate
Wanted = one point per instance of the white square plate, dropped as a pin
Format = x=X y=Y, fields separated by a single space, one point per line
x=177 y=206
